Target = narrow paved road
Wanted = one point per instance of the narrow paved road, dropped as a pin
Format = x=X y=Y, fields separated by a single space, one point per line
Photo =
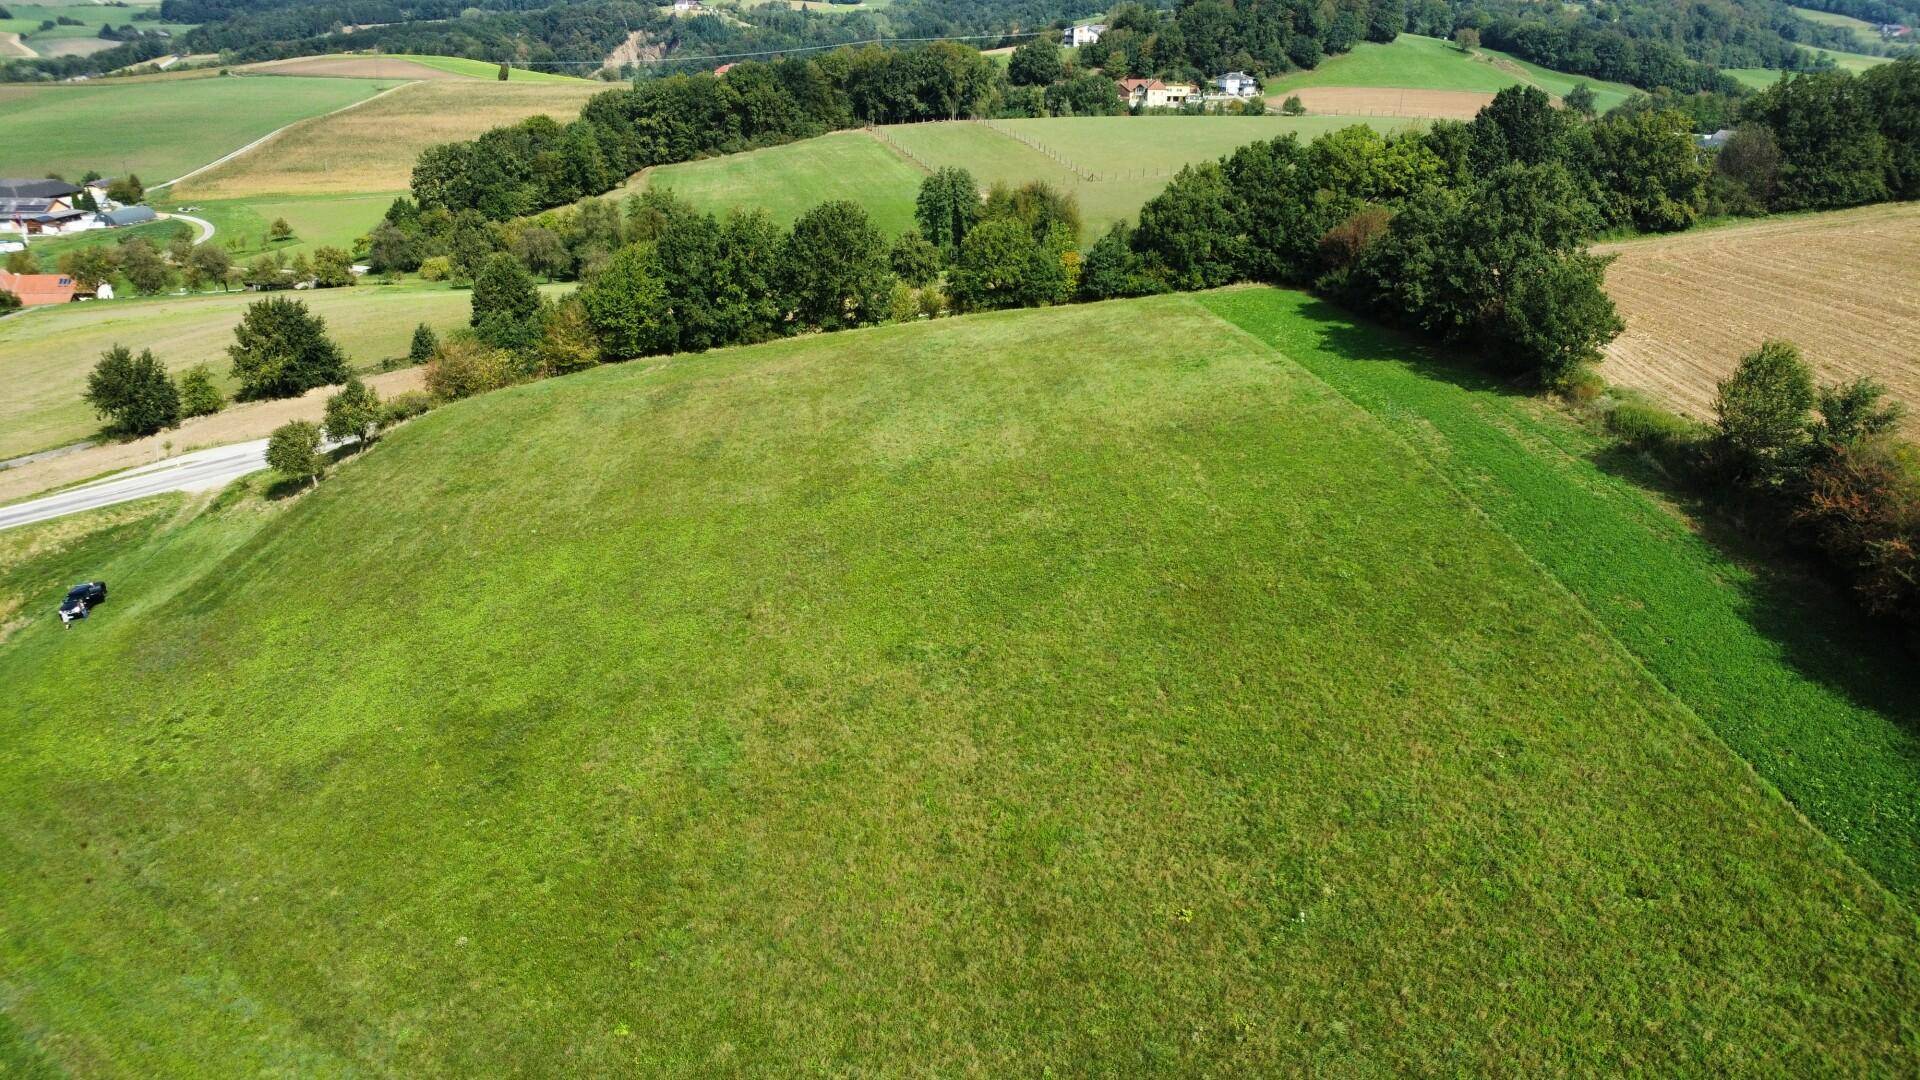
x=205 y=226
x=198 y=471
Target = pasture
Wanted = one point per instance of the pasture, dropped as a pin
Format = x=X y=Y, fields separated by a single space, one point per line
x=1453 y=79
x=1111 y=164
x=1088 y=690
x=1761 y=78
x=1863 y=31
x=159 y=130
x=788 y=180
x=1838 y=284
x=45 y=354
x=373 y=148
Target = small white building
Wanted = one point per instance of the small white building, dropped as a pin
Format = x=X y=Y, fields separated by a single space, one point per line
x=687 y=7
x=1075 y=36
x=1237 y=84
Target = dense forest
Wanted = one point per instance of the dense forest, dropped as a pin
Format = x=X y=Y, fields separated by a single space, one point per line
x=1647 y=43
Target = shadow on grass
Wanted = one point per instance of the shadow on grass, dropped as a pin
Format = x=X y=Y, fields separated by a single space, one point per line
x=1789 y=597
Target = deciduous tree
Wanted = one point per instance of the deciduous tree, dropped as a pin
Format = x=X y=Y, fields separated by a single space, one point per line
x=133 y=393
x=281 y=349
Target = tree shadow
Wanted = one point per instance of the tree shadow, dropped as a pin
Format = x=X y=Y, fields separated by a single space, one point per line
x=1790 y=597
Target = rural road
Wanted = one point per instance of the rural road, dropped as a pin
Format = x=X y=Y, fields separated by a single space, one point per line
x=206 y=227
x=199 y=471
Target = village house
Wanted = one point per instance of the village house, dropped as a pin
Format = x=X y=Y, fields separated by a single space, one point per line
x=1237 y=84
x=1075 y=36
x=1154 y=94
x=37 y=289
x=40 y=206
x=687 y=7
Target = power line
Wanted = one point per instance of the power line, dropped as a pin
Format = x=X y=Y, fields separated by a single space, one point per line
x=795 y=49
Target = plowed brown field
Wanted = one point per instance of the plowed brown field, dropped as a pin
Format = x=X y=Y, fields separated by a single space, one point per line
x=1844 y=286
x=1388 y=101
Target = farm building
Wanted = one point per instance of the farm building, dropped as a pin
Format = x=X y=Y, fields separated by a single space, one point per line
x=1154 y=94
x=1075 y=36
x=18 y=188
x=126 y=215
x=37 y=289
x=1714 y=141
x=1237 y=84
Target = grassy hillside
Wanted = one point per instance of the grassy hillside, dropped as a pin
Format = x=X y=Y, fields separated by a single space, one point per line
x=1863 y=31
x=1087 y=690
x=1413 y=62
x=1761 y=78
x=374 y=148
x=1130 y=158
x=480 y=69
x=158 y=130
x=46 y=354
x=787 y=180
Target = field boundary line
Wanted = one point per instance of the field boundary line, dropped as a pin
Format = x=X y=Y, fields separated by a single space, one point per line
x=1665 y=692
x=899 y=151
x=279 y=131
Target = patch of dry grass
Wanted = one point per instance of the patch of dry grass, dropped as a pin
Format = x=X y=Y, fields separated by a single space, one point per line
x=374 y=147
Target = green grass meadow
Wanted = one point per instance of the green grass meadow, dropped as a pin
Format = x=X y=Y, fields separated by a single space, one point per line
x=481 y=69
x=788 y=180
x=45 y=354
x=1132 y=156
x=157 y=130
x=1184 y=686
x=1412 y=62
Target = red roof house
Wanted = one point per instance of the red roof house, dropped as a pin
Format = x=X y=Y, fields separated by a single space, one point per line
x=33 y=289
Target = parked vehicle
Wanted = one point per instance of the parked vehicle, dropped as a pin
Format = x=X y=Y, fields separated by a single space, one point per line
x=81 y=600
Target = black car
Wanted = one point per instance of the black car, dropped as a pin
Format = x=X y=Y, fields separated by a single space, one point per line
x=82 y=599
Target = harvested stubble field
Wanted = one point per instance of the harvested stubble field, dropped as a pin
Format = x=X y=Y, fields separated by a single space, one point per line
x=1839 y=285
x=374 y=147
x=353 y=67
x=1389 y=101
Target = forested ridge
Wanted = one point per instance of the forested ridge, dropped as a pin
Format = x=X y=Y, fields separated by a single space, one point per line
x=1648 y=43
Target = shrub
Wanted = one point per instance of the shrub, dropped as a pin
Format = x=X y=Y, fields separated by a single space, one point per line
x=133 y=392
x=1762 y=413
x=421 y=349
x=8 y=302
x=404 y=406
x=1646 y=426
x=1293 y=106
x=353 y=412
x=567 y=342
x=293 y=451
x=464 y=366
x=1863 y=508
x=437 y=268
x=198 y=395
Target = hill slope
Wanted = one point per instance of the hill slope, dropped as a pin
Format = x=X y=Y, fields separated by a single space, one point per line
x=1089 y=688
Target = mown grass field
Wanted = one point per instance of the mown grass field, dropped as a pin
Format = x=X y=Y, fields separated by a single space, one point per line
x=480 y=69
x=788 y=180
x=1863 y=31
x=1824 y=706
x=1413 y=62
x=45 y=354
x=1094 y=690
x=1133 y=157
x=157 y=130
x=1761 y=78
x=373 y=148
